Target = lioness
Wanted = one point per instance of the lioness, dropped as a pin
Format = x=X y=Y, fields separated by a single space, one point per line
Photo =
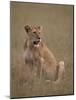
x=39 y=58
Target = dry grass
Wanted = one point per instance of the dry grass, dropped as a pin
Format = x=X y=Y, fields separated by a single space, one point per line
x=20 y=88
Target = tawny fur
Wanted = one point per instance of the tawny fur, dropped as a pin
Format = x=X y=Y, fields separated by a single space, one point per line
x=39 y=58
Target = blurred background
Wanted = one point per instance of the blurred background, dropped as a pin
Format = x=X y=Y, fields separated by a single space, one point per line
x=57 y=23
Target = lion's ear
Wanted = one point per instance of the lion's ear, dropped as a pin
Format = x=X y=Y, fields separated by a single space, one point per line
x=40 y=28
x=27 y=28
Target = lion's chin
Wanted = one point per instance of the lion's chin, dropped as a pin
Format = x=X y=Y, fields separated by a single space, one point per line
x=36 y=45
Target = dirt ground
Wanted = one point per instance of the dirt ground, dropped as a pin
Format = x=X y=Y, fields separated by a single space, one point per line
x=57 y=22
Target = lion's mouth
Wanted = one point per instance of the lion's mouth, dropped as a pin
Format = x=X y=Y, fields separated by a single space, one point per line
x=36 y=43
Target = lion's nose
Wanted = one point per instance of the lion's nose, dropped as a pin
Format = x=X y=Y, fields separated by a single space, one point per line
x=39 y=38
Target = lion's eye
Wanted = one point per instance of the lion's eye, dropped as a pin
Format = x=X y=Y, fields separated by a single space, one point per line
x=39 y=32
x=34 y=32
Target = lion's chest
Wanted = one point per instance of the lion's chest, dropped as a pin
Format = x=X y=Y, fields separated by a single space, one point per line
x=32 y=57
